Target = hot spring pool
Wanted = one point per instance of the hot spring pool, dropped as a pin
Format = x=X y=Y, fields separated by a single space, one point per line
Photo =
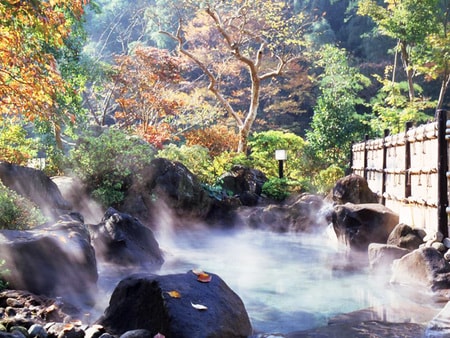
x=286 y=281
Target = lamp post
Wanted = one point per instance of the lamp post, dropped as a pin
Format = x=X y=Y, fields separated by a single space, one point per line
x=280 y=156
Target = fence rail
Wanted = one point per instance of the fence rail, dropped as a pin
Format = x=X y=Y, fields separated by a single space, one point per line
x=409 y=172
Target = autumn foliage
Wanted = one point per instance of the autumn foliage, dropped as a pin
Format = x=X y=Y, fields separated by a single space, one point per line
x=144 y=93
x=29 y=76
x=217 y=138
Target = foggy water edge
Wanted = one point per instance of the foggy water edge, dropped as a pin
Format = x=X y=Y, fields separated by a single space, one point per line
x=286 y=281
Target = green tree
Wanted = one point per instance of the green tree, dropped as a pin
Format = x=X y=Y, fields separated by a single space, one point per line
x=336 y=123
x=407 y=21
x=434 y=58
x=109 y=163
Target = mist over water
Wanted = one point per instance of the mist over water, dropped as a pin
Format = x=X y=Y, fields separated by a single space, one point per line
x=286 y=281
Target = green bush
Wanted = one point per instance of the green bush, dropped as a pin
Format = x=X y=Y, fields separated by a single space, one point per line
x=196 y=158
x=3 y=272
x=262 y=157
x=325 y=180
x=280 y=188
x=276 y=188
x=17 y=212
x=110 y=163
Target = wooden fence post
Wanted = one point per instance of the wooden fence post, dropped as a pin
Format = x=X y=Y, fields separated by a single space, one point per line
x=366 y=138
x=407 y=161
x=383 y=168
x=442 y=172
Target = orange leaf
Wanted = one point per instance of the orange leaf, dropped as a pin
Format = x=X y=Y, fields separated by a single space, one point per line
x=174 y=294
x=204 y=278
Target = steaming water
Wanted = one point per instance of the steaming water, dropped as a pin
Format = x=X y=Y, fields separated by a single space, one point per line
x=286 y=281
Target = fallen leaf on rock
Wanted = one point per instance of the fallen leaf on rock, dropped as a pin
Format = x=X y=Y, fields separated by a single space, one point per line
x=199 y=307
x=174 y=294
x=159 y=335
x=204 y=277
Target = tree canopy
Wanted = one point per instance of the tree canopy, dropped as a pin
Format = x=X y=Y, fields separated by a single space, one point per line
x=250 y=41
x=29 y=74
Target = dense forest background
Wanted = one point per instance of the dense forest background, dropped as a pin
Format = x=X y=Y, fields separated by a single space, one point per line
x=232 y=80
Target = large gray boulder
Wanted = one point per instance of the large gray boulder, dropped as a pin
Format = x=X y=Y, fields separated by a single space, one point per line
x=176 y=306
x=34 y=185
x=406 y=237
x=123 y=240
x=55 y=260
x=245 y=183
x=358 y=225
x=167 y=184
x=381 y=256
x=304 y=213
x=352 y=189
x=424 y=267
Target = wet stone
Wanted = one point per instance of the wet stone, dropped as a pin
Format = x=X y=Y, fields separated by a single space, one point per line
x=10 y=312
x=14 y=302
x=37 y=331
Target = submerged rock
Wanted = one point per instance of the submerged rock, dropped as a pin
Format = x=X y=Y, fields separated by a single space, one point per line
x=176 y=306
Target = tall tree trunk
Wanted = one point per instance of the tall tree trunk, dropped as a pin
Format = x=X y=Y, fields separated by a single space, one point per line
x=57 y=134
x=444 y=86
x=409 y=72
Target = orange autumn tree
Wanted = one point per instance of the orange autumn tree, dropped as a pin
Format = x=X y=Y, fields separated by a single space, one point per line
x=217 y=138
x=29 y=76
x=144 y=91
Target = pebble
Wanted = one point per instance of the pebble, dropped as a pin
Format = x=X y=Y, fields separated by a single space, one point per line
x=446 y=242
x=447 y=255
x=434 y=236
x=438 y=246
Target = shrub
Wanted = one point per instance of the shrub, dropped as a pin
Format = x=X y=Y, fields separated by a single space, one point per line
x=17 y=212
x=196 y=158
x=263 y=146
x=276 y=188
x=326 y=179
x=108 y=164
x=15 y=146
x=3 y=272
x=280 y=188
